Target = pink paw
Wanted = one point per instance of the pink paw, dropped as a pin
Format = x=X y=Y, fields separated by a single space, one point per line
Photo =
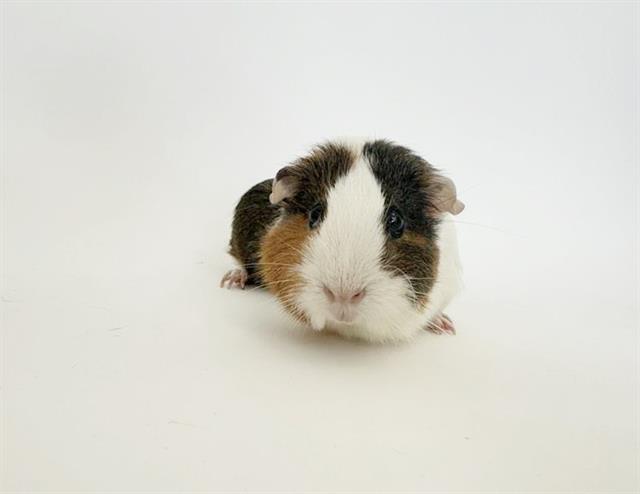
x=441 y=325
x=235 y=278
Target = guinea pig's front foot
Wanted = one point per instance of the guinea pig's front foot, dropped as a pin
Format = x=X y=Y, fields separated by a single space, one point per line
x=441 y=324
x=235 y=278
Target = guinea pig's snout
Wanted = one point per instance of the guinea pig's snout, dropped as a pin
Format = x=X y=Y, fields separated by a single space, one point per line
x=343 y=303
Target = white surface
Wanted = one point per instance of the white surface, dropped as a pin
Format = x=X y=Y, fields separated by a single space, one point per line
x=131 y=130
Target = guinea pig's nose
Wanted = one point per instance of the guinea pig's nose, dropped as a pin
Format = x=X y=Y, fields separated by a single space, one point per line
x=330 y=295
x=357 y=297
x=344 y=297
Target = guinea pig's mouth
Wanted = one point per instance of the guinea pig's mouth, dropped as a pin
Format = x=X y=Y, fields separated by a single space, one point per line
x=342 y=316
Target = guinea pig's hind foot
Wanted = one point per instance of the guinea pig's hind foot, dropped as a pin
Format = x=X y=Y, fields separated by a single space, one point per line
x=235 y=278
x=441 y=324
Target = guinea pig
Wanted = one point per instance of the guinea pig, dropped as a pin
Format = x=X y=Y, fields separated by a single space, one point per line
x=357 y=239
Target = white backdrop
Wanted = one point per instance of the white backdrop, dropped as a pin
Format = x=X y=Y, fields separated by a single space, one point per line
x=130 y=131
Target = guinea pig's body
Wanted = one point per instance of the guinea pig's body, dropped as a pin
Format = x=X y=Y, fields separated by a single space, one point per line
x=353 y=238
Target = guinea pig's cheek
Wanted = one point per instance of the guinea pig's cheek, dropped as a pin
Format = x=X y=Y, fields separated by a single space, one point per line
x=307 y=303
x=281 y=255
x=389 y=296
x=414 y=260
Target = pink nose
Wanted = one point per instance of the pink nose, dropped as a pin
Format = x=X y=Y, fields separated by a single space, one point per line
x=344 y=297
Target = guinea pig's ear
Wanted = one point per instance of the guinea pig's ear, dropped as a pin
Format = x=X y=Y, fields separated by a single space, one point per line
x=284 y=185
x=444 y=193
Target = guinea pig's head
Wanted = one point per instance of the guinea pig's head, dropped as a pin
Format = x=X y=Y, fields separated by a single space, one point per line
x=355 y=244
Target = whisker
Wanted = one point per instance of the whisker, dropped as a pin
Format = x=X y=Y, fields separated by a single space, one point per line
x=267 y=285
x=304 y=256
x=506 y=232
x=270 y=264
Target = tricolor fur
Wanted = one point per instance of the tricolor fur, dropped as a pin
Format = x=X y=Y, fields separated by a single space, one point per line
x=405 y=280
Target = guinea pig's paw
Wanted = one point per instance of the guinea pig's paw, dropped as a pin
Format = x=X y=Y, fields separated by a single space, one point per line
x=235 y=278
x=441 y=324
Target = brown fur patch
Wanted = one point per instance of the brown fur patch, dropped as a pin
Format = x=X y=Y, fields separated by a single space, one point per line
x=412 y=256
x=280 y=253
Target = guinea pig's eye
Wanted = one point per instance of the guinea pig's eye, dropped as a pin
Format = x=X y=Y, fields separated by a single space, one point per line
x=395 y=223
x=315 y=215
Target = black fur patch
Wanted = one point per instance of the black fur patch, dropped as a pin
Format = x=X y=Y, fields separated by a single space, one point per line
x=314 y=175
x=405 y=180
x=253 y=215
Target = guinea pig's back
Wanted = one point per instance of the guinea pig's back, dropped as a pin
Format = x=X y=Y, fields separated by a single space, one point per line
x=252 y=217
